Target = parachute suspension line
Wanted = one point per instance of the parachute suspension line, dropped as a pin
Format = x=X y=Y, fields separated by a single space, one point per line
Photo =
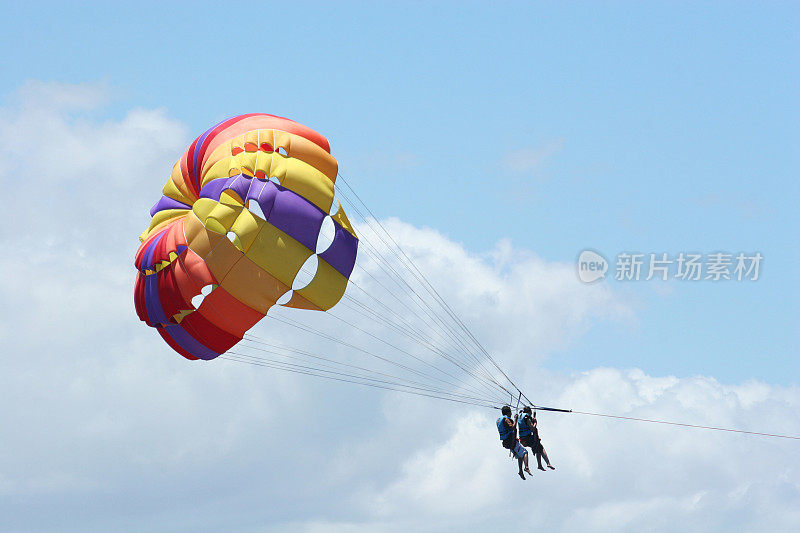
x=409 y=333
x=479 y=368
x=431 y=289
x=429 y=343
x=421 y=279
x=386 y=307
x=322 y=358
x=452 y=338
x=462 y=367
x=490 y=381
x=447 y=331
x=484 y=376
x=353 y=326
x=400 y=349
x=469 y=361
x=322 y=334
x=394 y=248
x=355 y=376
x=318 y=332
x=395 y=276
x=364 y=310
x=384 y=264
x=301 y=353
x=231 y=356
x=398 y=278
x=370 y=314
x=369 y=222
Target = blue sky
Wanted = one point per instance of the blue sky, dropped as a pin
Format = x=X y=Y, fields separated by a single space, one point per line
x=657 y=129
x=556 y=127
x=663 y=129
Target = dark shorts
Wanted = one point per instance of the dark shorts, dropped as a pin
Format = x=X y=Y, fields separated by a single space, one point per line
x=529 y=441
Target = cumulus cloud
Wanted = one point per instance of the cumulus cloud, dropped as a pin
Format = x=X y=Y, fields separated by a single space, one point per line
x=616 y=475
x=106 y=429
x=521 y=306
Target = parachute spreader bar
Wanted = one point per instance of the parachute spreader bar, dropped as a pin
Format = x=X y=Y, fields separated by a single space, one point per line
x=535 y=408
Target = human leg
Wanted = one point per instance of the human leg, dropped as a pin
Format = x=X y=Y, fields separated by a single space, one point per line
x=546 y=460
x=522 y=458
x=526 y=442
x=539 y=450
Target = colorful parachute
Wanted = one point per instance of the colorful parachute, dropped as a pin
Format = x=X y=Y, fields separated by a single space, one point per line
x=239 y=217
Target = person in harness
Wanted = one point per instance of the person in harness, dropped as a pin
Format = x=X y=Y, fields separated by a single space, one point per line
x=529 y=436
x=507 y=427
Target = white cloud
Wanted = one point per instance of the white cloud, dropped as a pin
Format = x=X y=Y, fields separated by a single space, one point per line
x=521 y=306
x=106 y=429
x=531 y=159
x=615 y=475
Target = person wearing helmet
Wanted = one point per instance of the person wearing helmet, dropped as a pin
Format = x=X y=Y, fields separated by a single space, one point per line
x=529 y=436
x=507 y=427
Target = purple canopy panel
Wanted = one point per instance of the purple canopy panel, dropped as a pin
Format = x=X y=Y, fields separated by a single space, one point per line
x=341 y=254
x=214 y=188
x=189 y=343
x=256 y=186
x=266 y=196
x=167 y=203
x=296 y=216
x=152 y=301
x=147 y=259
x=240 y=185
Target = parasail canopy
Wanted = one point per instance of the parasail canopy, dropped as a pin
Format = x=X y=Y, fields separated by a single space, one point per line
x=240 y=215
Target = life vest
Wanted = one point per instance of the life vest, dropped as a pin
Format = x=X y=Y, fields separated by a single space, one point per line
x=522 y=422
x=504 y=429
